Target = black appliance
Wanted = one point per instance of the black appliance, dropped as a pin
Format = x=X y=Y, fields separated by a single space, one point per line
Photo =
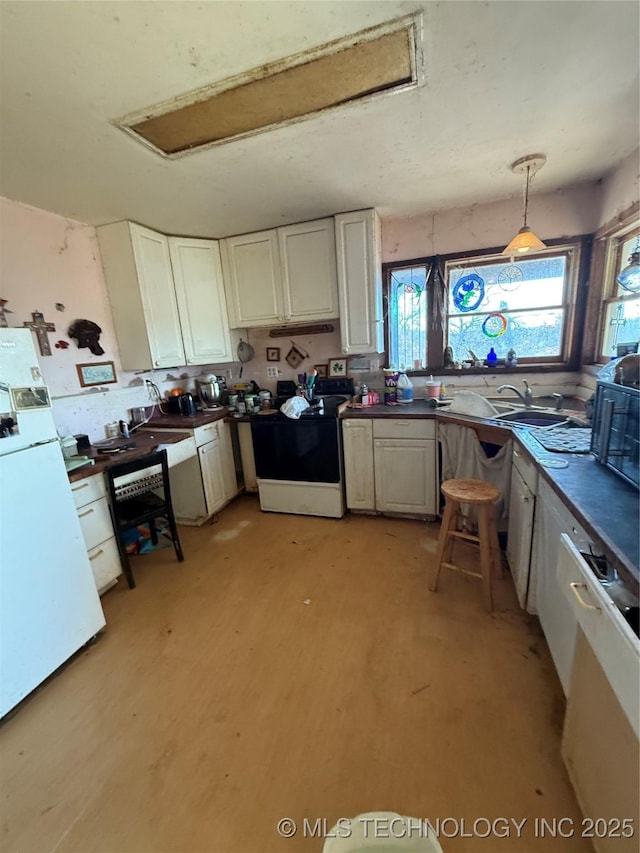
x=304 y=450
x=182 y=404
x=615 y=436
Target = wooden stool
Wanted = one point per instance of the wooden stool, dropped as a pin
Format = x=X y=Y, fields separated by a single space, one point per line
x=483 y=495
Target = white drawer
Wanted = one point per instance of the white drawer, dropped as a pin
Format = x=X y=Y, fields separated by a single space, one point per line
x=206 y=433
x=180 y=451
x=105 y=563
x=403 y=428
x=95 y=521
x=89 y=489
x=607 y=632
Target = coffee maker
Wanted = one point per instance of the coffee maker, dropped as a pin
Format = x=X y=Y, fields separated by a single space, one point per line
x=210 y=390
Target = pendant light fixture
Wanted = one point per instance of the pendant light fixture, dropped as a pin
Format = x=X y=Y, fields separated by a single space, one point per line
x=629 y=277
x=525 y=240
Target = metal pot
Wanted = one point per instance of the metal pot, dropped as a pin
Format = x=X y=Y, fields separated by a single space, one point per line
x=210 y=390
x=245 y=354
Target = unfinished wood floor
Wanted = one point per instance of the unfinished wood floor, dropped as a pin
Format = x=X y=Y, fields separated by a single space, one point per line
x=290 y=667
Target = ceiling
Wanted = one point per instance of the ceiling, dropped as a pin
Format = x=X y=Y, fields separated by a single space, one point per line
x=502 y=79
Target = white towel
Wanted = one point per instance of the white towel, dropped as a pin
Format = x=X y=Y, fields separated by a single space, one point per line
x=294 y=407
x=463 y=457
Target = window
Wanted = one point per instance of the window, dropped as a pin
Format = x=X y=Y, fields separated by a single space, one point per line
x=620 y=316
x=474 y=302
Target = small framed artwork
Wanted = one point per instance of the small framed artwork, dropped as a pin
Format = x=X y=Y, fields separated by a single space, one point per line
x=30 y=398
x=337 y=367
x=96 y=373
x=322 y=370
x=273 y=353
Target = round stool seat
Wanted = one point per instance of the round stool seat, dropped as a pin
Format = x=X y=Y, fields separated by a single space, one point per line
x=470 y=491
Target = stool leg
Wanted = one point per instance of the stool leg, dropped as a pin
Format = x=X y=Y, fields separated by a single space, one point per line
x=450 y=509
x=447 y=554
x=485 y=553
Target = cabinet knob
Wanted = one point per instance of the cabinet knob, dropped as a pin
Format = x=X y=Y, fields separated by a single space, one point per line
x=378 y=444
x=156 y=363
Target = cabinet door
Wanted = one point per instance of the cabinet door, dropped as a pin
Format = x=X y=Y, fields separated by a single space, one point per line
x=521 y=511
x=358 y=251
x=251 y=265
x=227 y=464
x=212 y=477
x=559 y=624
x=197 y=274
x=357 y=445
x=405 y=475
x=155 y=280
x=309 y=281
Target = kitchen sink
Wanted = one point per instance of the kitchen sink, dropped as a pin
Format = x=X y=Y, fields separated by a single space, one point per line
x=529 y=417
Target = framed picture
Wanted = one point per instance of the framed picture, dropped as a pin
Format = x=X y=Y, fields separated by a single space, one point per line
x=322 y=370
x=30 y=398
x=96 y=373
x=273 y=353
x=337 y=367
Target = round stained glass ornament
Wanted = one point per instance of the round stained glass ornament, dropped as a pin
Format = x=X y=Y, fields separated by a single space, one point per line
x=510 y=278
x=494 y=325
x=468 y=292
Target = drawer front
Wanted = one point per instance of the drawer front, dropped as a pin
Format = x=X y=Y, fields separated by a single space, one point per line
x=611 y=638
x=88 y=490
x=95 y=521
x=206 y=433
x=403 y=428
x=105 y=563
x=180 y=451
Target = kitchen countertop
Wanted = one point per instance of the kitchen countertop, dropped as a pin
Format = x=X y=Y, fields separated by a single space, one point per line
x=145 y=442
x=187 y=421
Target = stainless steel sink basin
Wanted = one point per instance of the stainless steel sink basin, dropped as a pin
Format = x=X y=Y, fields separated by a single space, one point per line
x=530 y=417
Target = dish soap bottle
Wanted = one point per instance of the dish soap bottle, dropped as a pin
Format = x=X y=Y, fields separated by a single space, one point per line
x=492 y=358
x=404 y=389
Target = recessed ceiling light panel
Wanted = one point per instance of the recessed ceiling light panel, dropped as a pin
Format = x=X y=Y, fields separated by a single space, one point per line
x=374 y=62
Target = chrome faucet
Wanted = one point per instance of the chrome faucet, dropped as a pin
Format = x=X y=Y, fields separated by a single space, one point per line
x=558 y=399
x=527 y=397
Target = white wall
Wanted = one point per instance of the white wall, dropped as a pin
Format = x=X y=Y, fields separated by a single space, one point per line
x=558 y=214
x=620 y=189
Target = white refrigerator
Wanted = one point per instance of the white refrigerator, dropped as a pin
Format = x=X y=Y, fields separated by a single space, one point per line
x=49 y=605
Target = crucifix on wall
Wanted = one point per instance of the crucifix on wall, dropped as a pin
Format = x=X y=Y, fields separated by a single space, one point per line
x=40 y=326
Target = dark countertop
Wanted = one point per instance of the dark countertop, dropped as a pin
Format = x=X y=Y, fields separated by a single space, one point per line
x=187 y=421
x=145 y=442
x=606 y=506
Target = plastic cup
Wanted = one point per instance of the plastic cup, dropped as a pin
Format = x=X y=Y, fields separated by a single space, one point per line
x=433 y=389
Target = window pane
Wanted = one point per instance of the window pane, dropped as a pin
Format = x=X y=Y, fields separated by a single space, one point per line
x=408 y=317
x=621 y=325
x=530 y=333
x=534 y=283
x=626 y=249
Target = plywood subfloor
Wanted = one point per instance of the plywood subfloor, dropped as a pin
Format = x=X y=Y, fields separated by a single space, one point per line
x=290 y=667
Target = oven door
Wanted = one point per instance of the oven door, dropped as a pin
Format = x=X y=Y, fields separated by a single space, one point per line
x=305 y=450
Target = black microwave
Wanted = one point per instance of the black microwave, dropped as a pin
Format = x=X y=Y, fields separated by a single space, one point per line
x=615 y=435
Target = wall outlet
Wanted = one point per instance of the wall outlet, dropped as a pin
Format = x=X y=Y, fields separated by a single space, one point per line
x=272 y=372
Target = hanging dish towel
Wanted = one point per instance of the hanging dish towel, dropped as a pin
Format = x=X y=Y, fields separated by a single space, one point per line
x=463 y=457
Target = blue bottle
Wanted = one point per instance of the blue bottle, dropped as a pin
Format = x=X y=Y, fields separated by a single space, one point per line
x=492 y=358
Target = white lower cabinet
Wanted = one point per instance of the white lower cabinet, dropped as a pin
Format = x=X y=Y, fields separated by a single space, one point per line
x=552 y=519
x=90 y=497
x=391 y=465
x=357 y=442
x=522 y=502
x=203 y=483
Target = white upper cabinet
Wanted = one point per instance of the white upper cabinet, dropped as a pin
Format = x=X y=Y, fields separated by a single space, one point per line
x=309 y=280
x=285 y=275
x=359 y=263
x=197 y=274
x=139 y=280
x=251 y=264
x=167 y=297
